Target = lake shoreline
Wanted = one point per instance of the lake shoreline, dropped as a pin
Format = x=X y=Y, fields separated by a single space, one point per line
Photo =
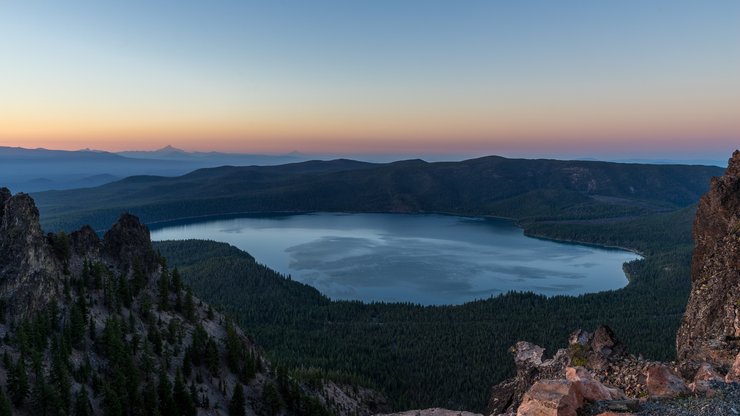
x=266 y=214
x=426 y=258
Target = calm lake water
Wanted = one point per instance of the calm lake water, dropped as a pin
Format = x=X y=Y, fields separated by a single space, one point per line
x=428 y=259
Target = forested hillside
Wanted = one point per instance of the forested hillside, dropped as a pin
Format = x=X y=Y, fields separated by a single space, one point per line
x=449 y=356
x=517 y=188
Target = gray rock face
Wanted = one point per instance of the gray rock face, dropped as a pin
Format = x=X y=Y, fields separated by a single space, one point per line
x=30 y=272
x=127 y=244
x=710 y=330
x=28 y=268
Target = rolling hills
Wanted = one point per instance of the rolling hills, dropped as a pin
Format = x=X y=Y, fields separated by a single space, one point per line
x=532 y=190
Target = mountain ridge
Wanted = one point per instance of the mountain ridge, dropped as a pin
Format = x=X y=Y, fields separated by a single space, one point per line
x=518 y=188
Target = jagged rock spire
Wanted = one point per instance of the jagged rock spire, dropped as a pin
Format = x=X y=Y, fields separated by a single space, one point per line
x=710 y=330
x=27 y=266
x=127 y=243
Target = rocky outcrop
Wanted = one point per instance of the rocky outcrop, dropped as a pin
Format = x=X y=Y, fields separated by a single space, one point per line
x=127 y=245
x=28 y=268
x=710 y=331
x=85 y=243
x=595 y=350
x=32 y=264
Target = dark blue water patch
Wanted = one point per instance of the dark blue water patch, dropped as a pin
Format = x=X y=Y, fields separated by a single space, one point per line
x=427 y=259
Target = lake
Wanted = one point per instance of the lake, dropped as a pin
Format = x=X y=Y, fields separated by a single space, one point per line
x=427 y=259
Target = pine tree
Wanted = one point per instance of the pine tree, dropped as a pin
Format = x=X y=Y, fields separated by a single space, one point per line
x=181 y=396
x=212 y=356
x=188 y=308
x=42 y=397
x=82 y=403
x=18 y=383
x=164 y=291
x=234 y=348
x=164 y=391
x=5 y=408
x=111 y=402
x=236 y=405
x=272 y=398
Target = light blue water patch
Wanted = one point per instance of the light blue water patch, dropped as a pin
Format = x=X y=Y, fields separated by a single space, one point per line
x=427 y=259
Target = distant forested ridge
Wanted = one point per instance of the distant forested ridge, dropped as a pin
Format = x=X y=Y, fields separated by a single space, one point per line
x=517 y=188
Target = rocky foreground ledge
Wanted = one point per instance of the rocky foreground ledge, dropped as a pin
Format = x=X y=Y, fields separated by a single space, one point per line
x=594 y=376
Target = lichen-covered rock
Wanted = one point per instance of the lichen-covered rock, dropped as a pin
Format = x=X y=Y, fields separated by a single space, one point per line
x=710 y=331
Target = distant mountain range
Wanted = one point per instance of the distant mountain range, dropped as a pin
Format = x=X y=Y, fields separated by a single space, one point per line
x=518 y=188
x=33 y=170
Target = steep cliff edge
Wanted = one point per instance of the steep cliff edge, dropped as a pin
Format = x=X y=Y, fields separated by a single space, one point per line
x=28 y=268
x=710 y=330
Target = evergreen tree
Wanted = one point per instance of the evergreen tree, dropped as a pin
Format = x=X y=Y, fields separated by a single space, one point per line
x=188 y=308
x=164 y=291
x=272 y=398
x=111 y=402
x=164 y=391
x=18 y=383
x=182 y=399
x=5 y=408
x=82 y=403
x=236 y=405
x=234 y=348
x=43 y=400
x=212 y=356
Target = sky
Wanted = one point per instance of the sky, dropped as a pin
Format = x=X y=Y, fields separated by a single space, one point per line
x=526 y=78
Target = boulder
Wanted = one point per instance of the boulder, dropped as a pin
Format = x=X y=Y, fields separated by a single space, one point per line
x=551 y=398
x=589 y=388
x=664 y=383
x=703 y=378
